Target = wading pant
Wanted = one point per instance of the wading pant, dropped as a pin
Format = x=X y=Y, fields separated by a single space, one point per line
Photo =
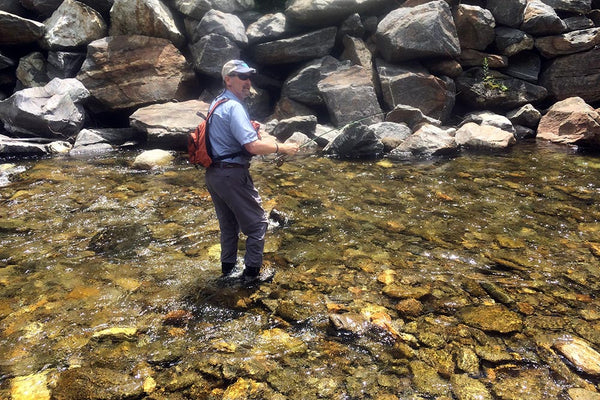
x=238 y=207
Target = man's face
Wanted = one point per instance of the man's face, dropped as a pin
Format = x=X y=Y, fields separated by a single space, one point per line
x=239 y=84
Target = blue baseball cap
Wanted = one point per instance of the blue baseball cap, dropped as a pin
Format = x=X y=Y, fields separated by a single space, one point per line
x=236 y=66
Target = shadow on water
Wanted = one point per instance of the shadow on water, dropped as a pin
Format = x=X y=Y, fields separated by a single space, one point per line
x=476 y=274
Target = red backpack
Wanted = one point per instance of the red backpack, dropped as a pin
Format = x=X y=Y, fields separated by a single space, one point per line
x=199 y=148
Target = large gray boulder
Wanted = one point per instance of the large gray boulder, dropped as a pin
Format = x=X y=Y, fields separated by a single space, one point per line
x=507 y=12
x=573 y=75
x=475 y=26
x=296 y=49
x=355 y=141
x=197 y=8
x=52 y=111
x=95 y=142
x=411 y=84
x=571 y=6
x=422 y=31
x=331 y=12
x=483 y=137
x=269 y=27
x=350 y=96
x=73 y=25
x=11 y=147
x=568 y=43
x=228 y=25
x=301 y=85
x=510 y=41
x=16 y=30
x=496 y=91
x=428 y=141
x=541 y=19
x=123 y=72
x=211 y=52
x=145 y=17
x=167 y=125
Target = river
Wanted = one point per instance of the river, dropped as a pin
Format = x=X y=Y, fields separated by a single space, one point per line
x=437 y=279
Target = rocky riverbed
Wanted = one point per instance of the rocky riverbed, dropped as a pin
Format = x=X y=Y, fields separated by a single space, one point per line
x=465 y=278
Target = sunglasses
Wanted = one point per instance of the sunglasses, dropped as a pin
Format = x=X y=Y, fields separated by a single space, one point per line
x=243 y=77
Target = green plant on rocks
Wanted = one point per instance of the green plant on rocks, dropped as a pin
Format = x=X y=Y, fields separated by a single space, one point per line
x=489 y=81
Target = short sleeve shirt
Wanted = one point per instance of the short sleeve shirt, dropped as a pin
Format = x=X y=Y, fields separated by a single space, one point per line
x=231 y=129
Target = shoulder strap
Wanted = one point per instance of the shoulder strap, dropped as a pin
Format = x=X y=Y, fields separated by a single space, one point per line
x=208 y=146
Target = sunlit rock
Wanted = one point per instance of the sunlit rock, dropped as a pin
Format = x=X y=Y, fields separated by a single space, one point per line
x=571 y=121
x=493 y=318
x=580 y=353
x=31 y=387
x=96 y=383
x=152 y=159
x=467 y=388
x=116 y=334
x=427 y=380
x=476 y=136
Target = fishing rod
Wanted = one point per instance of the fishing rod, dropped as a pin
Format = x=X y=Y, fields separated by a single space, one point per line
x=279 y=160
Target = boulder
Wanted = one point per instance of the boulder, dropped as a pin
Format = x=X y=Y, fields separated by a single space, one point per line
x=167 y=125
x=287 y=127
x=486 y=137
x=526 y=65
x=73 y=25
x=507 y=12
x=571 y=121
x=54 y=110
x=490 y=119
x=526 y=115
x=15 y=30
x=211 y=52
x=145 y=17
x=155 y=158
x=355 y=141
x=94 y=142
x=510 y=41
x=568 y=43
x=122 y=72
x=541 y=19
x=412 y=85
x=296 y=49
x=474 y=26
x=330 y=12
x=571 y=6
x=268 y=28
x=391 y=134
x=301 y=85
x=428 y=141
x=11 y=147
x=221 y=23
x=412 y=116
x=64 y=64
x=573 y=75
x=496 y=91
x=422 y=31
x=196 y=9
x=349 y=96
x=579 y=353
x=475 y=58
x=32 y=70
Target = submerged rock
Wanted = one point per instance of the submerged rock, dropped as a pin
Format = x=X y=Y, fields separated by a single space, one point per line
x=494 y=318
x=580 y=353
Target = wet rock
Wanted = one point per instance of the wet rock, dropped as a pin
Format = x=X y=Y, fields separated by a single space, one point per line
x=582 y=394
x=355 y=141
x=178 y=318
x=427 y=380
x=580 y=353
x=96 y=384
x=466 y=388
x=277 y=342
x=440 y=359
x=493 y=318
x=120 y=241
x=116 y=335
x=349 y=323
x=571 y=121
x=31 y=387
x=150 y=159
x=410 y=307
x=467 y=360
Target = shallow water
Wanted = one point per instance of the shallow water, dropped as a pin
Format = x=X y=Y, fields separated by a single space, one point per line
x=87 y=246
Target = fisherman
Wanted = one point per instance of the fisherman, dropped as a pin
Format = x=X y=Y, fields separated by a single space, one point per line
x=236 y=200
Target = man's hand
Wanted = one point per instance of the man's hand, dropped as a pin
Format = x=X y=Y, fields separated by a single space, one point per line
x=289 y=148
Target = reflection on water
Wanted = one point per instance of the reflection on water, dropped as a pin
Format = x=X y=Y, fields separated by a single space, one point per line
x=394 y=280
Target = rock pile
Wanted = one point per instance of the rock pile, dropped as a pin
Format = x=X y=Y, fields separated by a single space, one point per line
x=425 y=65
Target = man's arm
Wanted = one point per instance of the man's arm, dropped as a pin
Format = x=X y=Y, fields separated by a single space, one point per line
x=269 y=145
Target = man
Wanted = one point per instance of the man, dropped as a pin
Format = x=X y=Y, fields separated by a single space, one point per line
x=236 y=200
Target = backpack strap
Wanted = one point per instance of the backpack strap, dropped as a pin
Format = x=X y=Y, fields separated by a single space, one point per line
x=208 y=145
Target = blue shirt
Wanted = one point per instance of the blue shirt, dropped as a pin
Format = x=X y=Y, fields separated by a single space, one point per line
x=231 y=129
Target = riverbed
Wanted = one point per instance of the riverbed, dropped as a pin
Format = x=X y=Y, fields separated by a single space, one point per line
x=436 y=279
